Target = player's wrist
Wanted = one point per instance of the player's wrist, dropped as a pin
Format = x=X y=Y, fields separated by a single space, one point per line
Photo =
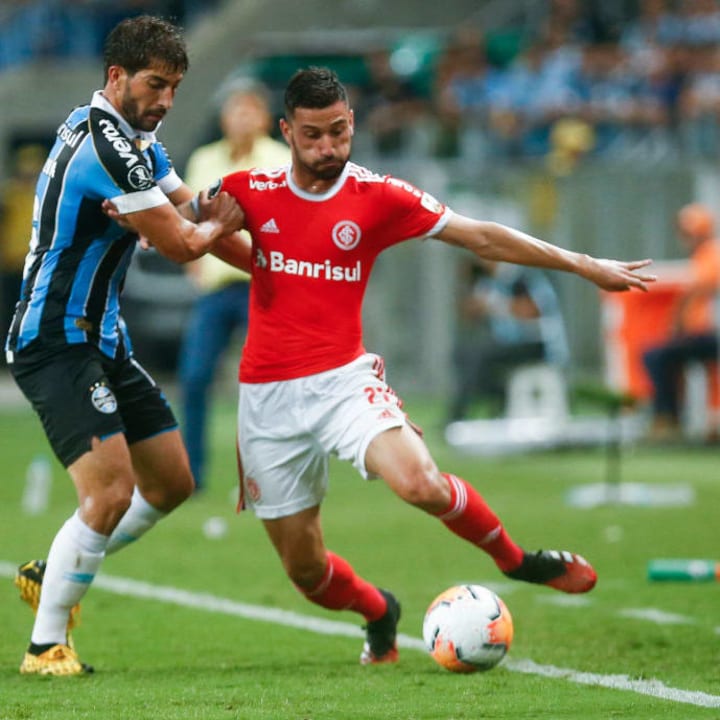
x=194 y=206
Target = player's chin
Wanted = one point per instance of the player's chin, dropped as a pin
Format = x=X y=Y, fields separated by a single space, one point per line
x=150 y=122
x=329 y=171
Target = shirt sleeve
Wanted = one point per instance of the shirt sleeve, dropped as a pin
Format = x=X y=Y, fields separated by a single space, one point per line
x=413 y=212
x=143 y=200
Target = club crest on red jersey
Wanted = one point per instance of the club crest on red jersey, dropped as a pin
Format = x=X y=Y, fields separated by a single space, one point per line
x=346 y=234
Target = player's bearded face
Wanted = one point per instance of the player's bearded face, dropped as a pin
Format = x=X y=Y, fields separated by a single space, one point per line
x=320 y=140
x=147 y=96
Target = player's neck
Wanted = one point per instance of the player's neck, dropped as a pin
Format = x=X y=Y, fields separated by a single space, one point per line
x=310 y=183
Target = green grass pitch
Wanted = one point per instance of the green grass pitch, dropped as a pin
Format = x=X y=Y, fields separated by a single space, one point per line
x=192 y=652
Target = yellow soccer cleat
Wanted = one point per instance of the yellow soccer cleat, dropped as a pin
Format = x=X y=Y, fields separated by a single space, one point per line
x=58 y=660
x=28 y=580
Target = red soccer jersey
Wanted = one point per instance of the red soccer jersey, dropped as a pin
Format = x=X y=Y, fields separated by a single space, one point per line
x=312 y=257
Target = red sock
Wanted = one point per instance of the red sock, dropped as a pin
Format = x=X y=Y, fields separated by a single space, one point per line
x=341 y=589
x=470 y=517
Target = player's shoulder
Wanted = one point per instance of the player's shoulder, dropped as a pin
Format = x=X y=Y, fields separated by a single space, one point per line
x=362 y=175
x=109 y=140
x=78 y=116
x=117 y=153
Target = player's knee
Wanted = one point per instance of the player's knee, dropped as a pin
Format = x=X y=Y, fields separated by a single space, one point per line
x=167 y=494
x=305 y=573
x=107 y=506
x=182 y=489
x=424 y=488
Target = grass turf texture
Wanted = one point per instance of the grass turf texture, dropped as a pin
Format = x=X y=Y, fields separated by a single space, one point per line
x=156 y=660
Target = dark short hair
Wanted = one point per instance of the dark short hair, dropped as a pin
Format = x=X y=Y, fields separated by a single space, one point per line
x=139 y=42
x=313 y=87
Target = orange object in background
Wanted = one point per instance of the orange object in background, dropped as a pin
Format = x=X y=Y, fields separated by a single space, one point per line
x=633 y=322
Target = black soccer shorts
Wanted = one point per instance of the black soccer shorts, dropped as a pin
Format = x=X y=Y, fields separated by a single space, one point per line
x=80 y=394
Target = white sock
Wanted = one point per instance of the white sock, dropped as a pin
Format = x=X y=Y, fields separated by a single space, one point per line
x=74 y=558
x=136 y=521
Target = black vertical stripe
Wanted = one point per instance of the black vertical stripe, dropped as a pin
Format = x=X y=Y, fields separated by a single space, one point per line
x=95 y=305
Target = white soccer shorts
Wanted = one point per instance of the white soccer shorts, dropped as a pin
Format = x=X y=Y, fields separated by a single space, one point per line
x=289 y=429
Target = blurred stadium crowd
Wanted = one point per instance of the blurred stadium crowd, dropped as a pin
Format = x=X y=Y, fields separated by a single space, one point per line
x=75 y=29
x=568 y=81
x=575 y=83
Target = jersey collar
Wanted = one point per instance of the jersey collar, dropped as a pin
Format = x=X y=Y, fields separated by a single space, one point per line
x=101 y=102
x=318 y=197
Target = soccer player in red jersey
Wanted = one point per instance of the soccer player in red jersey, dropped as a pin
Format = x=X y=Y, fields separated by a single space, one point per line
x=308 y=387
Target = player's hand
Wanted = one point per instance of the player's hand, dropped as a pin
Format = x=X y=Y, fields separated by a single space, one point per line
x=110 y=209
x=618 y=275
x=222 y=208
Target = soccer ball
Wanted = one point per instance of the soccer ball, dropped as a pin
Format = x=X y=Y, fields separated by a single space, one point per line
x=467 y=628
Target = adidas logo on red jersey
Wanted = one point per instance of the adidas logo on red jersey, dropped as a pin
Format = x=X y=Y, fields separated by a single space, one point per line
x=270 y=226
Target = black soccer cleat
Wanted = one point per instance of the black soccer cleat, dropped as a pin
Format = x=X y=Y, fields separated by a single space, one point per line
x=561 y=570
x=381 y=635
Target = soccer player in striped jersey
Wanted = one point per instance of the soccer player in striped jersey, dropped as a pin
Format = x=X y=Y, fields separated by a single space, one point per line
x=68 y=348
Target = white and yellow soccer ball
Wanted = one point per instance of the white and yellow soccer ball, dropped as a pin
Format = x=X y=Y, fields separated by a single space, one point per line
x=467 y=628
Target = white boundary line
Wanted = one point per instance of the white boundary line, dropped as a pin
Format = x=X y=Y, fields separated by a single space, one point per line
x=212 y=603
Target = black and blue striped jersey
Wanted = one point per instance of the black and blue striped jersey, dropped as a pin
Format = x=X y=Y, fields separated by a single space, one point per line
x=77 y=260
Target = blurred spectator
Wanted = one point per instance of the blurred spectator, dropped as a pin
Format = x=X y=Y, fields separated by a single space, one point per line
x=392 y=104
x=467 y=89
x=700 y=21
x=571 y=139
x=570 y=21
x=17 y=196
x=540 y=89
x=222 y=306
x=694 y=331
x=654 y=26
x=623 y=107
x=699 y=104
x=508 y=316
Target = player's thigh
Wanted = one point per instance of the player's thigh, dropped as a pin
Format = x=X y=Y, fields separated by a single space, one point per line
x=400 y=457
x=350 y=406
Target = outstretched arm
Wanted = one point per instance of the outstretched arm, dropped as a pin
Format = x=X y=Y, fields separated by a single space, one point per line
x=493 y=241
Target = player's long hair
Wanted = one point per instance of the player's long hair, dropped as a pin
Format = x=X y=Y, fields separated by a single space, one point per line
x=313 y=87
x=139 y=42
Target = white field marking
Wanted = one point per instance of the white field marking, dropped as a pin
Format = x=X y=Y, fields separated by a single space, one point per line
x=212 y=603
x=654 y=688
x=565 y=600
x=657 y=616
